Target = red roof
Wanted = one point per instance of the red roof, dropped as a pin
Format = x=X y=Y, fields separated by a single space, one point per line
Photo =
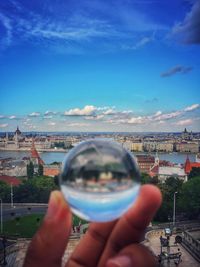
x=145 y=159
x=35 y=154
x=10 y=180
x=189 y=165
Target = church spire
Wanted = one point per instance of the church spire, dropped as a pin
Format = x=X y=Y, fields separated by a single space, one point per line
x=187 y=165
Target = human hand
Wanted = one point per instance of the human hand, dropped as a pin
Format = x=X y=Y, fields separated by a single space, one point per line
x=111 y=244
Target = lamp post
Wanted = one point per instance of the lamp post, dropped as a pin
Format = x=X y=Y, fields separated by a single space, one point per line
x=174 y=212
x=1 y=215
x=11 y=195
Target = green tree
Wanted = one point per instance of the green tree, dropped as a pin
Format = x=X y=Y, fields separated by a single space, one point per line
x=56 y=180
x=30 y=170
x=145 y=178
x=35 y=190
x=40 y=170
x=171 y=185
x=4 y=191
x=190 y=198
x=194 y=172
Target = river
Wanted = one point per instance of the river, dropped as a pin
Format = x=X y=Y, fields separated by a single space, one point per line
x=49 y=157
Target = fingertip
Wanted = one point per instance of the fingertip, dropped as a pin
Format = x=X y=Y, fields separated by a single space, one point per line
x=151 y=194
x=55 y=226
x=56 y=206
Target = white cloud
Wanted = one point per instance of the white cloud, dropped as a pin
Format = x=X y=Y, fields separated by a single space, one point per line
x=34 y=114
x=96 y=117
x=109 y=111
x=77 y=124
x=49 y=113
x=142 y=42
x=47 y=117
x=12 y=117
x=4 y=125
x=6 y=41
x=192 y=107
x=52 y=123
x=137 y=120
x=168 y=116
x=88 y=110
x=184 y=122
x=158 y=113
x=32 y=127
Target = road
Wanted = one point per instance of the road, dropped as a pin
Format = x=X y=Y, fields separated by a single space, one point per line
x=21 y=210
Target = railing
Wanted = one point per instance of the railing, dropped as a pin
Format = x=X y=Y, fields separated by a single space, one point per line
x=26 y=205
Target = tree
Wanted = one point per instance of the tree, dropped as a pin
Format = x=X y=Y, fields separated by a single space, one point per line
x=30 y=170
x=190 y=198
x=194 y=172
x=4 y=191
x=56 y=180
x=145 y=178
x=40 y=170
x=171 y=185
x=35 y=190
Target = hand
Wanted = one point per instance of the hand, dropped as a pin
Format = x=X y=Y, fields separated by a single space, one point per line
x=111 y=244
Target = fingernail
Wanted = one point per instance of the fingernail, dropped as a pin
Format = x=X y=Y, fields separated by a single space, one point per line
x=120 y=261
x=53 y=206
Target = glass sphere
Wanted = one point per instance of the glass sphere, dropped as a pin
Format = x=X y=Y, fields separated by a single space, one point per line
x=100 y=180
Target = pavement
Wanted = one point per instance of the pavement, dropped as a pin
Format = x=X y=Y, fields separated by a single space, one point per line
x=187 y=259
x=17 y=253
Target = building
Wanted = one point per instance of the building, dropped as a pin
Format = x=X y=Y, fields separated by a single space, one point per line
x=13 y=168
x=52 y=170
x=150 y=146
x=198 y=157
x=188 y=147
x=172 y=171
x=164 y=147
x=127 y=145
x=145 y=162
x=186 y=135
x=10 y=180
x=35 y=157
x=137 y=146
x=191 y=240
x=189 y=165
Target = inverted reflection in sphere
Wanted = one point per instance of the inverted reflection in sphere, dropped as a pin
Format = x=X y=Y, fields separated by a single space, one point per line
x=100 y=180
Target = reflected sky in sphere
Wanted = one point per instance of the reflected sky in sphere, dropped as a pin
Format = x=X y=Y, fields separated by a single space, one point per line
x=100 y=180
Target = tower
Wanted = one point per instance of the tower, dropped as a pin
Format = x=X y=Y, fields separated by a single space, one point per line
x=35 y=158
x=187 y=165
x=157 y=160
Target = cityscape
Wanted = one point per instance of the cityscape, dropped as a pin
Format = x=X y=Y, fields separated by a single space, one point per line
x=100 y=71
x=23 y=155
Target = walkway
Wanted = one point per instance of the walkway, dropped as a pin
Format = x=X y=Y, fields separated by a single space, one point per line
x=187 y=259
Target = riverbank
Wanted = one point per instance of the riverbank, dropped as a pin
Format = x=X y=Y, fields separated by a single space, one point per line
x=56 y=155
x=28 y=149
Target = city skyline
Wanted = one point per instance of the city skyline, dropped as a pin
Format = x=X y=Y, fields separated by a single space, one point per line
x=100 y=66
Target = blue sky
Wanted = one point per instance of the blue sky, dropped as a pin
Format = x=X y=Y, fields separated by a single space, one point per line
x=97 y=65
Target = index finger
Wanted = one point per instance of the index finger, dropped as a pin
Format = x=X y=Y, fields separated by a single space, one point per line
x=130 y=228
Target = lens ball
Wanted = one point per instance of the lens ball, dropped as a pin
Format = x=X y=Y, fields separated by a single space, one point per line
x=100 y=180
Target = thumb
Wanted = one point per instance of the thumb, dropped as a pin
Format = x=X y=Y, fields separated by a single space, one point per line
x=49 y=243
x=135 y=255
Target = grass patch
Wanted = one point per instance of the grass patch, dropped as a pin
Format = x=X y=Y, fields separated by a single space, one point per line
x=26 y=226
